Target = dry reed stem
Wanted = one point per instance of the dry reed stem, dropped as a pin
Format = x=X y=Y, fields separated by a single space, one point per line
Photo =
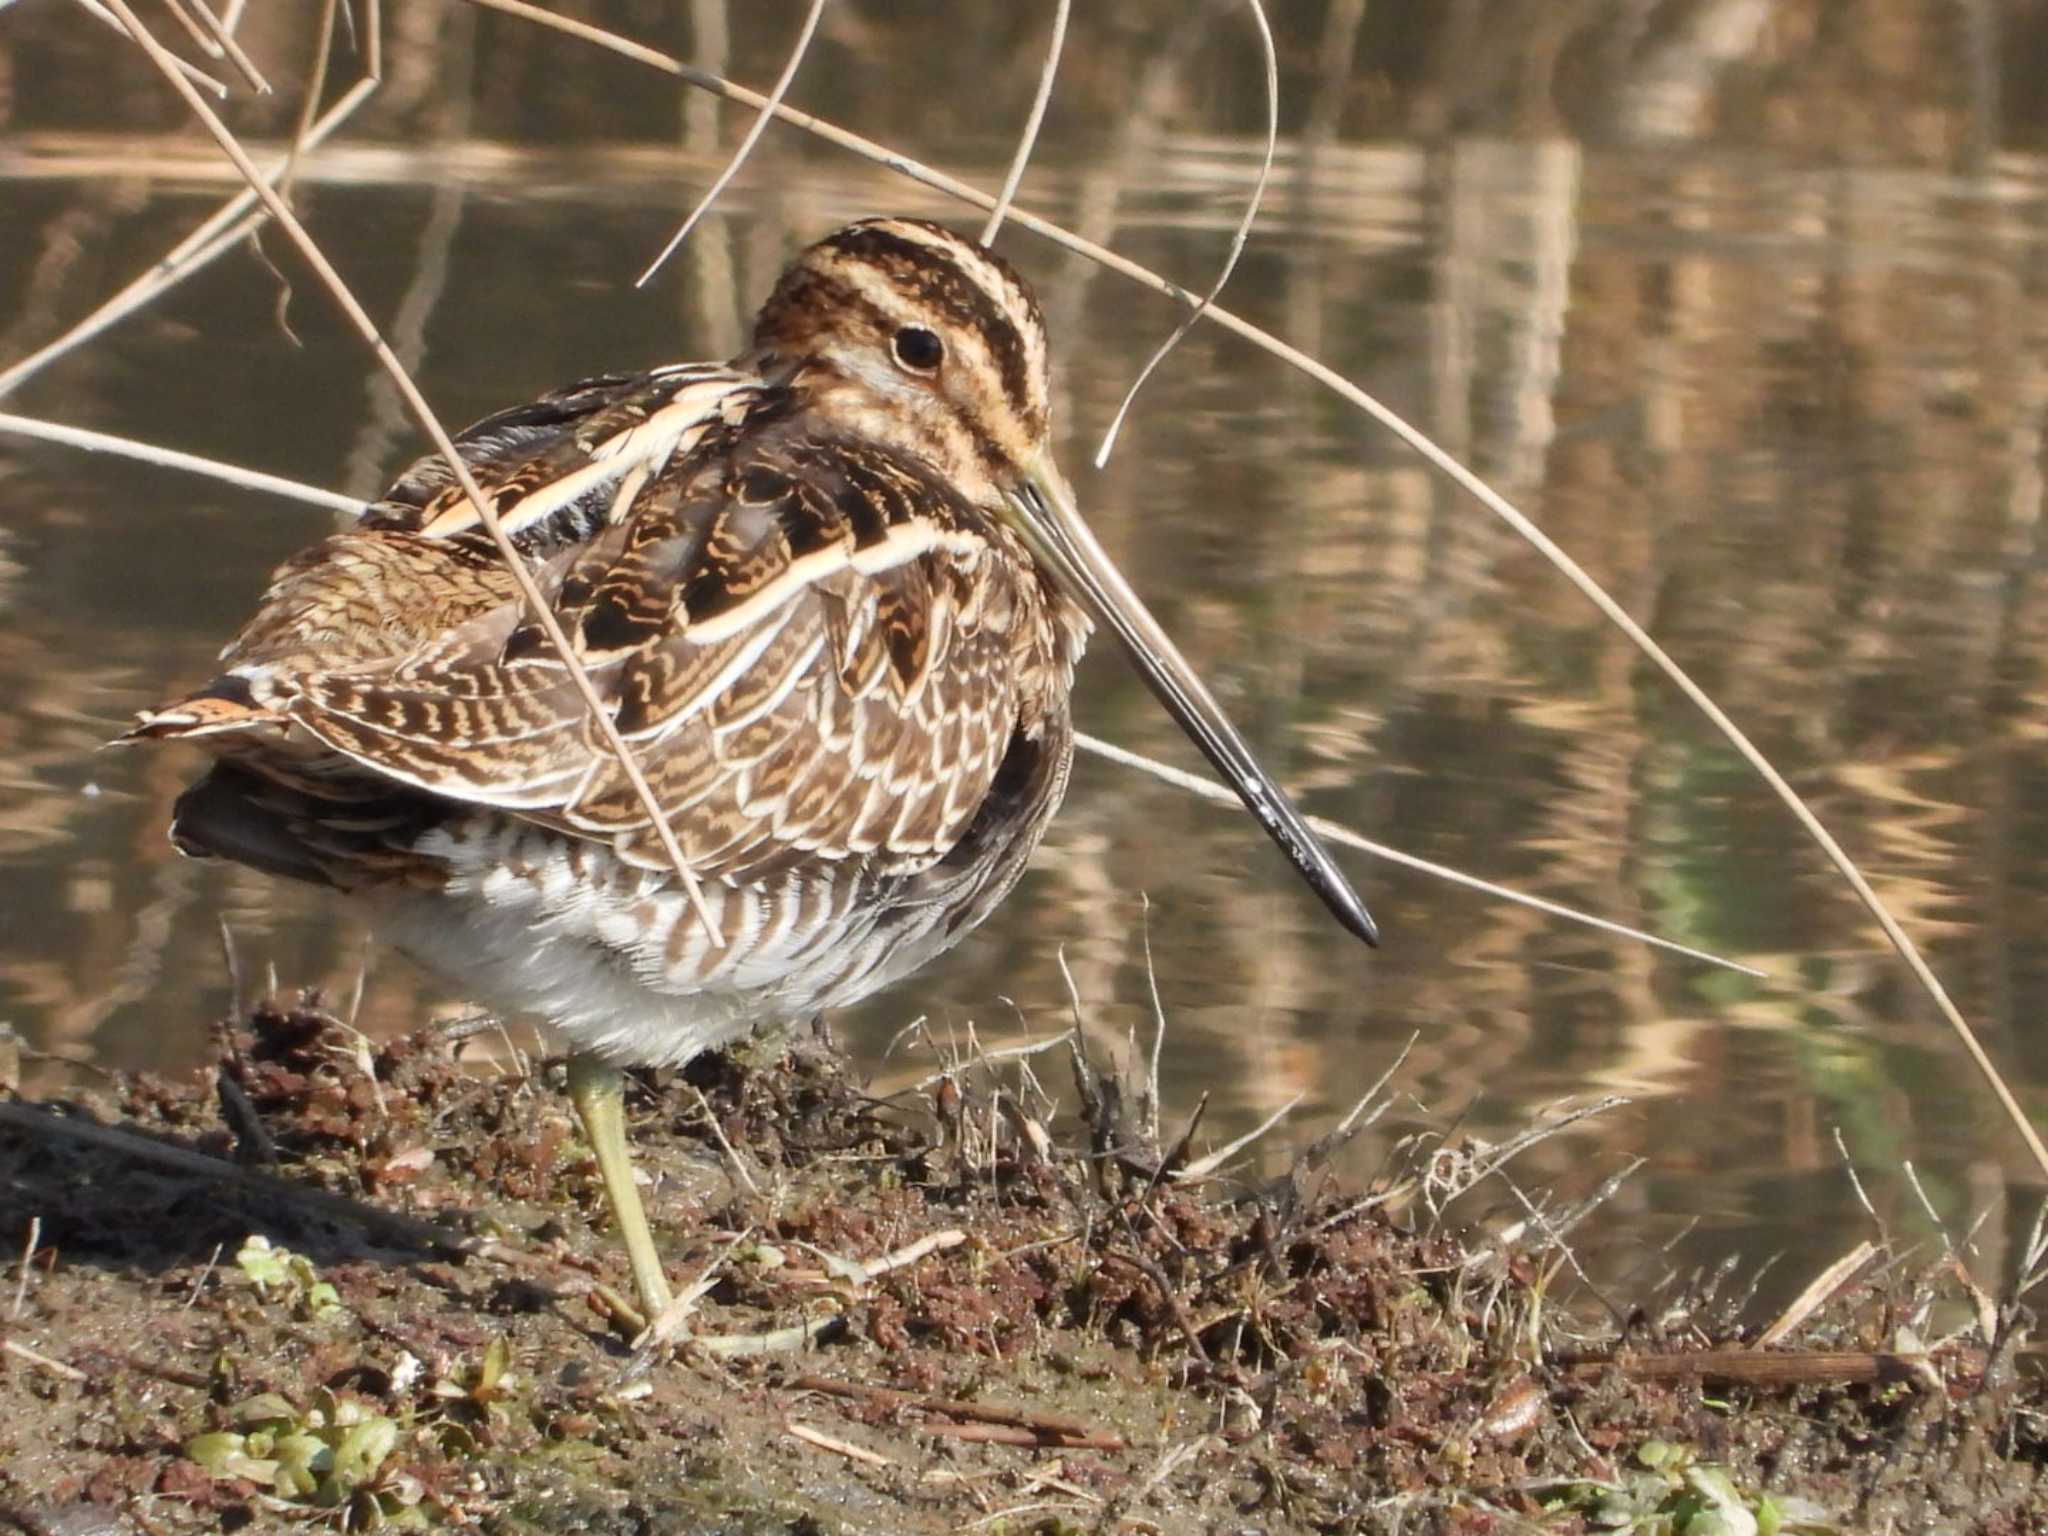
x=28 y=1257
x=956 y=1067
x=190 y=71
x=762 y=118
x=1202 y=1167
x=1027 y=140
x=1817 y=1293
x=1043 y=1426
x=735 y=1166
x=217 y=42
x=424 y=413
x=1337 y=832
x=1435 y=456
x=834 y=1444
x=171 y=458
x=910 y=1253
x=777 y=1341
x=1238 y=239
x=316 y=86
x=665 y=1325
x=41 y=1361
x=1768 y=1368
x=1149 y=1110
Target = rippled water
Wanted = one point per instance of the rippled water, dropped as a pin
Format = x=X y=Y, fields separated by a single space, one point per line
x=1745 y=309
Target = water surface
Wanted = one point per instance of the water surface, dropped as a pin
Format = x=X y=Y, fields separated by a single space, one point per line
x=1742 y=303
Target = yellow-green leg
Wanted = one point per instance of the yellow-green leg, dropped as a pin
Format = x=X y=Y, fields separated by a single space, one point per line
x=598 y=1090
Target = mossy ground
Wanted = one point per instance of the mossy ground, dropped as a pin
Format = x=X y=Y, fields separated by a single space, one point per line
x=1139 y=1352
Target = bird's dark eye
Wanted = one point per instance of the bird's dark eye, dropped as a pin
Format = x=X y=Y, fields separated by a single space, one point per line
x=918 y=349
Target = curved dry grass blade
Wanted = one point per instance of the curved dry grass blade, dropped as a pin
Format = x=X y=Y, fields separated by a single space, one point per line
x=367 y=328
x=762 y=119
x=1032 y=123
x=171 y=458
x=219 y=234
x=1337 y=832
x=1237 y=240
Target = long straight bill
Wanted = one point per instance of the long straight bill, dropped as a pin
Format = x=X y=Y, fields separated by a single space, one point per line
x=1052 y=525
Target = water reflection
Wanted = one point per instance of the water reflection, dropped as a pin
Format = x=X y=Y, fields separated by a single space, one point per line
x=1744 y=309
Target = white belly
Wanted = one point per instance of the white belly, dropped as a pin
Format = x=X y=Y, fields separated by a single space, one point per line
x=615 y=958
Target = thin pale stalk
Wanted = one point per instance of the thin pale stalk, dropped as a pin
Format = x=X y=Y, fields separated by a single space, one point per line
x=223 y=42
x=309 y=108
x=515 y=563
x=1337 y=832
x=171 y=458
x=1202 y=1167
x=1237 y=240
x=1442 y=461
x=189 y=71
x=762 y=119
x=1028 y=139
x=185 y=19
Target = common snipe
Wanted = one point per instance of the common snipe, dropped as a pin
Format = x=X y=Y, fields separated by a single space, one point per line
x=834 y=592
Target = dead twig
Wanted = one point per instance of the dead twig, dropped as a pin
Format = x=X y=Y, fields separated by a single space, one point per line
x=1148 y=1267
x=1033 y=120
x=40 y=1361
x=779 y=1341
x=1817 y=1294
x=253 y=1143
x=1238 y=239
x=1202 y=1167
x=733 y=1162
x=171 y=458
x=762 y=119
x=28 y=1257
x=1025 y=1426
x=191 y=72
x=910 y=1253
x=177 y=1375
x=1006 y=1434
x=1336 y=832
x=218 y=42
x=834 y=1444
x=1772 y=1367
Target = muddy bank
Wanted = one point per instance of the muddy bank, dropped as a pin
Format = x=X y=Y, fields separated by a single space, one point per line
x=950 y=1310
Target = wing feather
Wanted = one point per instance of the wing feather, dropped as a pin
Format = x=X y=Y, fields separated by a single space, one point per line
x=797 y=635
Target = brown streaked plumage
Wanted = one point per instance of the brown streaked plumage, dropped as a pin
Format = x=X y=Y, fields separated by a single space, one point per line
x=833 y=592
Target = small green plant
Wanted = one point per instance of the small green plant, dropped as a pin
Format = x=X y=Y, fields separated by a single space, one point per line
x=278 y=1273
x=1671 y=1492
x=332 y=1455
